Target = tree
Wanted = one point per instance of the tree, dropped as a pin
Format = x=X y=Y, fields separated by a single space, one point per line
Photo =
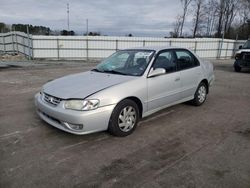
x=221 y=13
x=67 y=33
x=185 y=4
x=231 y=9
x=93 y=33
x=243 y=28
x=177 y=25
x=210 y=16
x=4 y=28
x=199 y=14
x=34 y=30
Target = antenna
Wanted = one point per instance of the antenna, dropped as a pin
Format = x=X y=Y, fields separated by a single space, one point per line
x=68 y=14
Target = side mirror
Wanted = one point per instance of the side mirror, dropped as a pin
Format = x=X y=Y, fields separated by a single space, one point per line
x=156 y=72
x=240 y=47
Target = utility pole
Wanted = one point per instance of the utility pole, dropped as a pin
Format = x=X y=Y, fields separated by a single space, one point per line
x=68 y=14
x=87 y=27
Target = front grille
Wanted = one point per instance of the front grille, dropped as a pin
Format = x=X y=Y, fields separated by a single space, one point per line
x=51 y=99
x=246 y=56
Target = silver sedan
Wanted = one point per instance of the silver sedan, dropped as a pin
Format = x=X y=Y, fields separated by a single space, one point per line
x=127 y=86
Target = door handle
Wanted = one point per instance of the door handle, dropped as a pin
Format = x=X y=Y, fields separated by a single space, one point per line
x=177 y=79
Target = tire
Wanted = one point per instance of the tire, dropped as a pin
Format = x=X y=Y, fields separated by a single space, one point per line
x=121 y=123
x=200 y=94
x=237 y=68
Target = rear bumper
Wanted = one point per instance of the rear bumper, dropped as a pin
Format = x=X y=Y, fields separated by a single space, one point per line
x=57 y=116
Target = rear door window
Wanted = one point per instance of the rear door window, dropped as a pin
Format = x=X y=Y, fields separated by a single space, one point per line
x=185 y=60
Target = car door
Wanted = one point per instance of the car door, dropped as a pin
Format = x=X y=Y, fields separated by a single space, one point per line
x=164 y=89
x=190 y=72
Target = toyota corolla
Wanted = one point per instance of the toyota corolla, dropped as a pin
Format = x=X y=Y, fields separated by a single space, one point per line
x=127 y=86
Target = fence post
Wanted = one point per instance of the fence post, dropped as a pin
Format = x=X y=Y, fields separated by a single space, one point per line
x=24 y=51
x=28 y=33
x=13 y=46
x=218 y=49
x=57 y=46
x=16 y=42
x=144 y=42
x=170 y=43
x=116 y=45
x=4 y=47
x=87 y=48
x=226 y=50
x=31 y=47
x=195 y=46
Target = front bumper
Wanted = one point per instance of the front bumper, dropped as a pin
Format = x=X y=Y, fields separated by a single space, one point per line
x=242 y=63
x=211 y=80
x=61 y=118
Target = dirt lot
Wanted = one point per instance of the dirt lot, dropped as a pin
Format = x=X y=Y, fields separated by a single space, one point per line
x=182 y=146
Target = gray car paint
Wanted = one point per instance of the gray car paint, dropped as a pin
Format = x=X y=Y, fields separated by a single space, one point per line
x=83 y=84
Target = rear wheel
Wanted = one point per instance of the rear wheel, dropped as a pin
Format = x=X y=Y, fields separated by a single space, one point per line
x=124 y=118
x=200 y=94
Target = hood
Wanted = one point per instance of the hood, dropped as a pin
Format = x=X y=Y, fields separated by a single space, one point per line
x=82 y=85
x=243 y=50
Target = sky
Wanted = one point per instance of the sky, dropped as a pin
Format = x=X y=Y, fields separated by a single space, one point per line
x=110 y=17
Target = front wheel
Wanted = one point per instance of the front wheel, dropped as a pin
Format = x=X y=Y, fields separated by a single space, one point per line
x=124 y=118
x=200 y=94
x=237 y=68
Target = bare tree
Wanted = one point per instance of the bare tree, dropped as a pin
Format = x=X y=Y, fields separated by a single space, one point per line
x=231 y=8
x=185 y=4
x=244 y=14
x=218 y=18
x=244 y=17
x=221 y=6
x=177 y=26
x=199 y=14
x=210 y=14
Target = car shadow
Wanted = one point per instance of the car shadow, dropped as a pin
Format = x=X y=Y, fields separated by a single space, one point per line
x=230 y=68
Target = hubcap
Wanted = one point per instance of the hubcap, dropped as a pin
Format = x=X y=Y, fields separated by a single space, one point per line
x=202 y=94
x=127 y=119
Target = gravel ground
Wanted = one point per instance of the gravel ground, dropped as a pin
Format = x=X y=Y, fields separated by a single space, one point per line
x=182 y=146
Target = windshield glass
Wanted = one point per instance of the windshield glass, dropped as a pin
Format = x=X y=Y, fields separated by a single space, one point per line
x=126 y=62
x=246 y=45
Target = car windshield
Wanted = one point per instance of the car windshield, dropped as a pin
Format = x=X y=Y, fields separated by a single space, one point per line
x=126 y=62
x=246 y=45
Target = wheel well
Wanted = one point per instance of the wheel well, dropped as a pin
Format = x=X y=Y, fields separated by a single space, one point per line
x=207 y=85
x=138 y=102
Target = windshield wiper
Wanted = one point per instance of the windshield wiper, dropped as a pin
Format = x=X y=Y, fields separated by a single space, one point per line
x=109 y=71
x=96 y=70
x=114 y=72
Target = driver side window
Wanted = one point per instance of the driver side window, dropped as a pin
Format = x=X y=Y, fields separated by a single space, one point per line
x=166 y=60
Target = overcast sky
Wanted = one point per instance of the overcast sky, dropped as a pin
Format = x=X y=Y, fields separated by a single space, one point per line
x=112 y=17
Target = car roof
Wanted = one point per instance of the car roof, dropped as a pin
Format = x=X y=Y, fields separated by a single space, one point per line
x=155 y=48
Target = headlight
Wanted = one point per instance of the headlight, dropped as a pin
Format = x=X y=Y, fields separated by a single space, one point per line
x=82 y=105
x=237 y=56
